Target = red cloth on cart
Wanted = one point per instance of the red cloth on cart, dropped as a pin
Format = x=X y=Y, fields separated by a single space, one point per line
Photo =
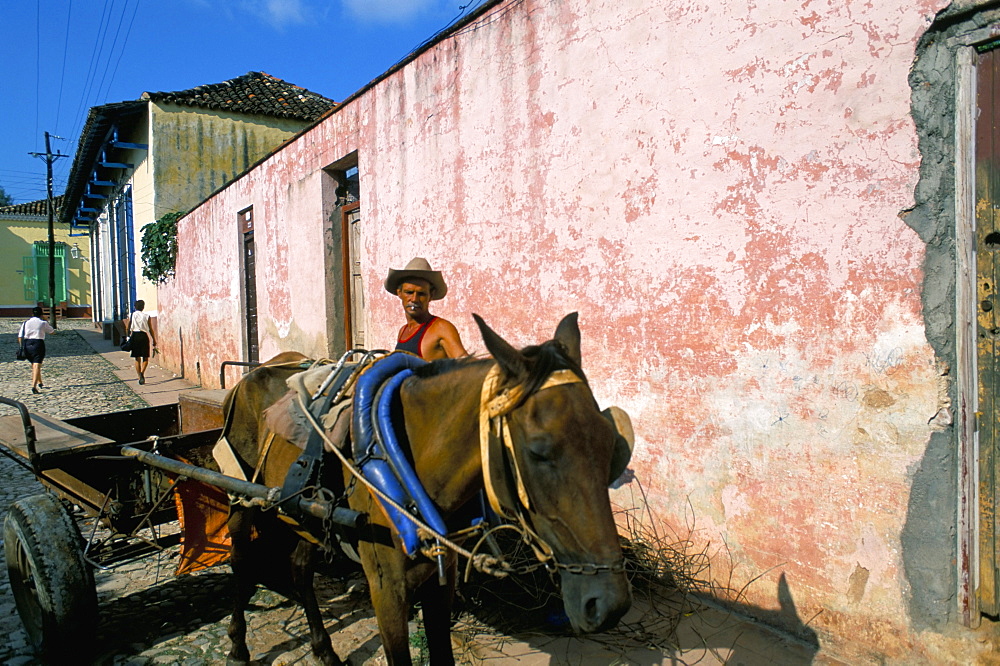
x=203 y=511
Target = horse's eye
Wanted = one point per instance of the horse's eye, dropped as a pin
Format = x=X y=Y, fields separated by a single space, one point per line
x=541 y=451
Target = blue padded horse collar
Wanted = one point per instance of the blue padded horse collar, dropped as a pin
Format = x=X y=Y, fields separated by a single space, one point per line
x=377 y=447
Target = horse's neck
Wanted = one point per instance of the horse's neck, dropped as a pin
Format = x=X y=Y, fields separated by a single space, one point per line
x=442 y=424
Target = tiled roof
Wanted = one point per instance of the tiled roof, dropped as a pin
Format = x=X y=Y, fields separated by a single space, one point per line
x=32 y=208
x=254 y=93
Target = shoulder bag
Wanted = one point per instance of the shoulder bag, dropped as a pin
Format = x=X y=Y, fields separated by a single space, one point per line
x=20 y=347
x=126 y=343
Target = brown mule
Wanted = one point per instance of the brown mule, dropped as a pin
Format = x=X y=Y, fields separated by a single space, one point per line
x=265 y=549
x=562 y=452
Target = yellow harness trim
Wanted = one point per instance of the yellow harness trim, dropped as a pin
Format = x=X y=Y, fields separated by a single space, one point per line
x=494 y=408
x=263 y=456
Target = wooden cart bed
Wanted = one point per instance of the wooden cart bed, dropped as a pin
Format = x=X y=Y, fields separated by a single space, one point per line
x=52 y=435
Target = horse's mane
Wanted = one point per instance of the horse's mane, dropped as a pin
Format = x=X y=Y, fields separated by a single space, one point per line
x=541 y=360
x=446 y=365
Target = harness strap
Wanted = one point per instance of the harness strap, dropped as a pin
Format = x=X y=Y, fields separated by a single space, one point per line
x=481 y=561
x=263 y=455
x=494 y=480
x=502 y=478
x=306 y=470
x=223 y=453
x=500 y=403
x=225 y=456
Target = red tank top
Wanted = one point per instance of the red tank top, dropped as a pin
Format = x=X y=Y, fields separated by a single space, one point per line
x=412 y=343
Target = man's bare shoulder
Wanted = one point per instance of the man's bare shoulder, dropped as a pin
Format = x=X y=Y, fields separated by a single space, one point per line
x=441 y=324
x=443 y=335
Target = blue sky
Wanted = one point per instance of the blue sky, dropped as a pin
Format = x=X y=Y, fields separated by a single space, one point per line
x=61 y=57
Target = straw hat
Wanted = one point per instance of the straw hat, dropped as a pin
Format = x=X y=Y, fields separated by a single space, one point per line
x=417 y=268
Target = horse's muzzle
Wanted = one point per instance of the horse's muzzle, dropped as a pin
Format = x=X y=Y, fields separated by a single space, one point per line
x=595 y=602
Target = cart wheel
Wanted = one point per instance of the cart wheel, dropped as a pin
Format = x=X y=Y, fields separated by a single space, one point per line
x=52 y=584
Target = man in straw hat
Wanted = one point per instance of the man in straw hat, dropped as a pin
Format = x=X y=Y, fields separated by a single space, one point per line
x=425 y=335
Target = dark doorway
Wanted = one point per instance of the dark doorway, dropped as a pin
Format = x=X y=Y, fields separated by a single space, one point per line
x=250 y=285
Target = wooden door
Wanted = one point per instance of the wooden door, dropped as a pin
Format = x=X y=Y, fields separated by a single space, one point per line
x=250 y=286
x=987 y=164
x=354 y=296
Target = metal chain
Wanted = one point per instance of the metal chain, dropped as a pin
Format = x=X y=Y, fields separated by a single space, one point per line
x=588 y=569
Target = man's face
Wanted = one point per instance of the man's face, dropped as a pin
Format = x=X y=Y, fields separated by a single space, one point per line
x=415 y=294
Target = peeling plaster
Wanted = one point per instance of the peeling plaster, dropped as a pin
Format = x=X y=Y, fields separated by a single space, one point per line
x=727 y=223
x=858 y=582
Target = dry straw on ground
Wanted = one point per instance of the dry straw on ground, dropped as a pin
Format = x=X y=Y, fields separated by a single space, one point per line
x=671 y=577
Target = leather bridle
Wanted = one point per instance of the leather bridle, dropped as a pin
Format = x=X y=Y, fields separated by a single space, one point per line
x=503 y=481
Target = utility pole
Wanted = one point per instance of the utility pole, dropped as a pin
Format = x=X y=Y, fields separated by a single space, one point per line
x=49 y=158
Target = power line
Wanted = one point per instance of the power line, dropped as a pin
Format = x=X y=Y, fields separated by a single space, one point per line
x=124 y=43
x=91 y=69
x=23 y=181
x=62 y=74
x=38 y=60
x=91 y=94
x=99 y=40
x=111 y=52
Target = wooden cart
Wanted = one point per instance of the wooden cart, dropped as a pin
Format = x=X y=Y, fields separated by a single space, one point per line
x=109 y=499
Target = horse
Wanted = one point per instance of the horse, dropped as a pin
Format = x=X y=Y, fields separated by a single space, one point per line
x=562 y=456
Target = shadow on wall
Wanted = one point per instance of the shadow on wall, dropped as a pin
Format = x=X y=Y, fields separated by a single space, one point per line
x=673 y=618
x=747 y=634
x=928 y=537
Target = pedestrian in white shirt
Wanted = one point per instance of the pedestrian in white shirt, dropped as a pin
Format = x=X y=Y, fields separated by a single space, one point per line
x=141 y=336
x=31 y=337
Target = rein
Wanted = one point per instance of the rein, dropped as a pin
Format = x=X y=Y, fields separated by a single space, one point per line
x=501 y=470
x=483 y=562
x=495 y=409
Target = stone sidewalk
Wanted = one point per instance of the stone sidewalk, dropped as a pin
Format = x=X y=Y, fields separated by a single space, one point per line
x=162 y=386
x=148 y=616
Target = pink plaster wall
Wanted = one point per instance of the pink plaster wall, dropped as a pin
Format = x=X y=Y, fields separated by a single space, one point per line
x=716 y=188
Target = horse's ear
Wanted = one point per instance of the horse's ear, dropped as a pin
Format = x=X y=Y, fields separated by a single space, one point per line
x=621 y=454
x=568 y=333
x=509 y=359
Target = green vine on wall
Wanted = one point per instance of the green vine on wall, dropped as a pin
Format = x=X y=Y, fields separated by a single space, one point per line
x=159 y=248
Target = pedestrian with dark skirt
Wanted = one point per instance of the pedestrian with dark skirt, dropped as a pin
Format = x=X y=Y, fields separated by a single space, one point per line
x=141 y=338
x=31 y=337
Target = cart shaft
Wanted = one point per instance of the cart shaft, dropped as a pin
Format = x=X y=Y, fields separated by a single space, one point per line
x=316 y=508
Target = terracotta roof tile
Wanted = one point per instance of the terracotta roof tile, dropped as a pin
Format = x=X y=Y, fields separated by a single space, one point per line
x=31 y=208
x=254 y=93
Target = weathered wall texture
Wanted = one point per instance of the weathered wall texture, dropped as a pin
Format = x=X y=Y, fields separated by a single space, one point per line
x=198 y=150
x=193 y=152
x=716 y=187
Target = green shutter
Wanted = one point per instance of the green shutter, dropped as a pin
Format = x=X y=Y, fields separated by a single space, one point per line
x=30 y=287
x=41 y=249
x=41 y=271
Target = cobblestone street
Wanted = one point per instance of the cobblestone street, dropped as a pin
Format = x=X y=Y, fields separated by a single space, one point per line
x=147 y=615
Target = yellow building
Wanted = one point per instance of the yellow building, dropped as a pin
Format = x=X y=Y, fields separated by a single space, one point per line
x=24 y=262
x=166 y=152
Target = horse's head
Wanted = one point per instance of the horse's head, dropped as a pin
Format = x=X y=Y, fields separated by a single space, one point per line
x=563 y=451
